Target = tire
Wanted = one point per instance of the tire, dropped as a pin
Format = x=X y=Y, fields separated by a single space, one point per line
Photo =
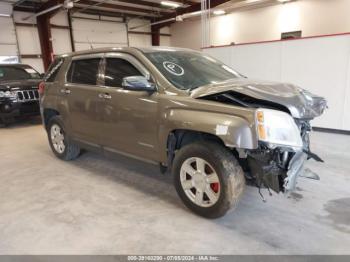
x=218 y=160
x=65 y=150
x=4 y=122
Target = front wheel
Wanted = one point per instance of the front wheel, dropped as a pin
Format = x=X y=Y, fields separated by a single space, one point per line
x=208 y=178
x=4 y=122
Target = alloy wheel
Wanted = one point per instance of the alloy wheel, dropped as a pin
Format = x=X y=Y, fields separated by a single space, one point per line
x=57 y=138
x=200 y=182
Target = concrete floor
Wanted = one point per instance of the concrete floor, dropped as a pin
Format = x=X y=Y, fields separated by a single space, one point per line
x=96 y=205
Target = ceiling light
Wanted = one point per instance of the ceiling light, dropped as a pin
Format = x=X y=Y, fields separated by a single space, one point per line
x=283 y=1
x=194 y=13
x=5 y=15
x=170 y=4
x=219 y=12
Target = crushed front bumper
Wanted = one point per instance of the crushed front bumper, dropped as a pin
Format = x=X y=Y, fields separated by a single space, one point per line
x=295 y=169
x=268 y=168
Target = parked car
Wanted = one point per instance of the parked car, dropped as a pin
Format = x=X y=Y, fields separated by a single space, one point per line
x=209 y=125
x=18 y=92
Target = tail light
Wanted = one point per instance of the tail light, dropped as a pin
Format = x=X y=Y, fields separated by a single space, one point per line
x=41 y=88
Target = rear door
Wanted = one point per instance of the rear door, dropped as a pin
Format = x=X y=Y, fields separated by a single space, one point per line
x=83 y=98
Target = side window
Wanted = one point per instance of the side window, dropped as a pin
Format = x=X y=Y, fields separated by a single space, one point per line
x=84 y=71
x=117 y=69
x=53 y=70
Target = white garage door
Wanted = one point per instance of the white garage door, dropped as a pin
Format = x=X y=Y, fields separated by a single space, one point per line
x=8 y=43
x=89 y=33
x=61 y=41
x=29 y=44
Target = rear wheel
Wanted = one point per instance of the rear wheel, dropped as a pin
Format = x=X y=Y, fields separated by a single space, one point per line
x=60 y=143
x=208 y=178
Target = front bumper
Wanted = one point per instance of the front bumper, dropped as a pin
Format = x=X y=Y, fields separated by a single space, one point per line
x=295 y=169
x=276 y=169
x=10 y=109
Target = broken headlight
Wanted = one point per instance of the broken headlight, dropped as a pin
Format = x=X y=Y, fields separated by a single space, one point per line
x=277 y=128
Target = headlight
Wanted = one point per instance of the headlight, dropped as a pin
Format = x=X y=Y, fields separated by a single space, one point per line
x=8 y=94
x=277 y=129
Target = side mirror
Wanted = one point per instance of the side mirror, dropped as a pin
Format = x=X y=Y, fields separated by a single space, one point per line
x=138 y=83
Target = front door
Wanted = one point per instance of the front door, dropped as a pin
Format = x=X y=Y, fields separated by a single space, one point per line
x=84 y=102
x=131 y=117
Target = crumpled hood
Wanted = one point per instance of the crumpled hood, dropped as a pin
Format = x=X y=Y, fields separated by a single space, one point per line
x=300 y=103
x=19 y=84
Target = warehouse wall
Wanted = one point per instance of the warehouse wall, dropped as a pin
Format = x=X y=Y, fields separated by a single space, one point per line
x=313 y=17
x=28 y=40
x=8 y=43
x=320 y=65
x=61 y=42
x=91 y=33
x=137 y=39
x=19 y=37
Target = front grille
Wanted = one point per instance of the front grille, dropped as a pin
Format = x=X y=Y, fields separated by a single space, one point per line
x=27 y=95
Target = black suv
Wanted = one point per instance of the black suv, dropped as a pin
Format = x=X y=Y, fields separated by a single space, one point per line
x=18 y=92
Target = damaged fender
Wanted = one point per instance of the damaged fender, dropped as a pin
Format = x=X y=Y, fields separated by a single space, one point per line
x=234 y=131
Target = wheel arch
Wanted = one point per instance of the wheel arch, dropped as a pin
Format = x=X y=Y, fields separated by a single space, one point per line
x=178 y=138
x=48 y=113
x=184 y=125
x=186 y=136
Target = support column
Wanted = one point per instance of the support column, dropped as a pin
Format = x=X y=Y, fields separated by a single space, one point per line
x=155 y=30
x=71 y=30
x=44 y=30
x=46 y=11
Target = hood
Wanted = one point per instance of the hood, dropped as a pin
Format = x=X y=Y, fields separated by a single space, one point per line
x=300 y=103
x=19 y=84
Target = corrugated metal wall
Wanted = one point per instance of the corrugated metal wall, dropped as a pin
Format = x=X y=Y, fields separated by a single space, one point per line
x=88 y=30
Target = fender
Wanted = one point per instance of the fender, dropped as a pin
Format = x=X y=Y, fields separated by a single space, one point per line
x=234 y=131
x=55 y=102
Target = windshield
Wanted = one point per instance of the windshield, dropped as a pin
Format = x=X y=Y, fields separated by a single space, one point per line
x=188 y=70
x=17 y=73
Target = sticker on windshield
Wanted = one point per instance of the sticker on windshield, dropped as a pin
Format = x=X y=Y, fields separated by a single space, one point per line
x=173 y=68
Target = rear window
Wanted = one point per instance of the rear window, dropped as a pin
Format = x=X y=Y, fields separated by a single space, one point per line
x=84 y=71
x=53 y=70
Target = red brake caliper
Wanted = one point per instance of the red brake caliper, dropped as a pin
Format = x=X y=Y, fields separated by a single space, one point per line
x=215 y=187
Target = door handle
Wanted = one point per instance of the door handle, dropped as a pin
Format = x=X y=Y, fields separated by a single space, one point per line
x=104 y=96
x=65 y=91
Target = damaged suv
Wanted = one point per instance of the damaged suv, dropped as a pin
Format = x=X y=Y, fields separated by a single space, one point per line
x=184 y=110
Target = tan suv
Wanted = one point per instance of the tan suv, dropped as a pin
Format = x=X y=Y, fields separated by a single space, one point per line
x=184 y=110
